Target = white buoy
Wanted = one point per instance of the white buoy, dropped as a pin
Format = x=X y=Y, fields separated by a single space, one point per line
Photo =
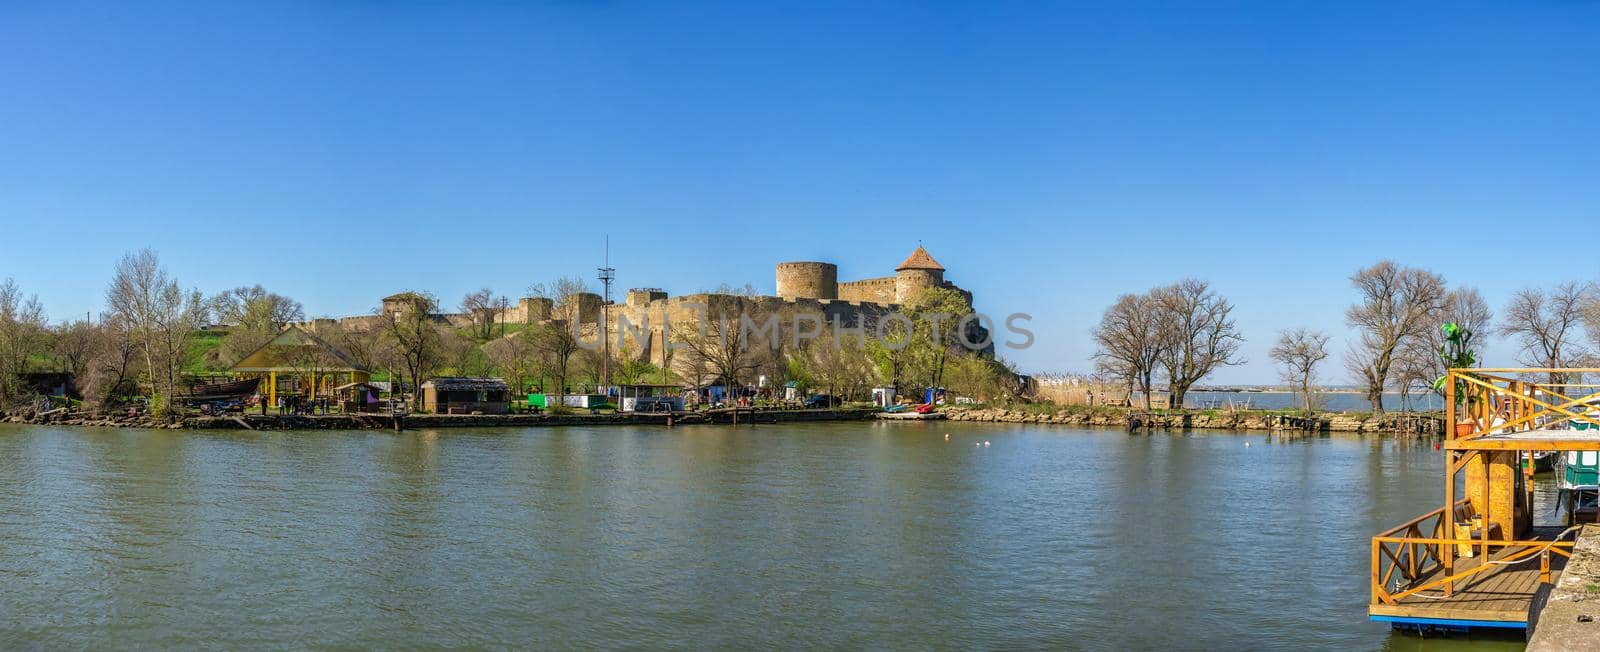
x=947 y=436
x=1247 y=444
x=986 y=443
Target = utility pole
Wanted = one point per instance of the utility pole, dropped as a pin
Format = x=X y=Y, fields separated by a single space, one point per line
x=607 y=275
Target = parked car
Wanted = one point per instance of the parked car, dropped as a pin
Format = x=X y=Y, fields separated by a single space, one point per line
x=822 y=401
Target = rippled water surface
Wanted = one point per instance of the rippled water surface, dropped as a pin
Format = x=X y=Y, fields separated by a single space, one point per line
x=833 y=535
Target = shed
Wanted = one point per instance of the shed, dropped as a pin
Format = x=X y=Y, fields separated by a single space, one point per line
x=454 y=395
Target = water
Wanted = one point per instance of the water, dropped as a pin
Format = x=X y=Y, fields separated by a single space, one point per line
x=827 y=535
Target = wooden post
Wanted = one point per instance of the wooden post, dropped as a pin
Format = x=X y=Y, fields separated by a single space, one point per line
x=1447 y=552
x=1450 y=404
x=1373 y=599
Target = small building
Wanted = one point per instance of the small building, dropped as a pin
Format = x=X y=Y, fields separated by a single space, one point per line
x=453 y=395
x=646 y=397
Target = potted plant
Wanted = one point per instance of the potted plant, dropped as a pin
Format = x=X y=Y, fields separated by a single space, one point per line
x=1457 y=353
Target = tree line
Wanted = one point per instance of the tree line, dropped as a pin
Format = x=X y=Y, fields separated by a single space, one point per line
x=1182 y=332
x=152 y=338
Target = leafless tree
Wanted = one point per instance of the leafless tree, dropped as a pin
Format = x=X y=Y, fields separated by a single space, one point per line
x=1299 y=351
x=1129 y=341
x=514 y=357
x=254 y=316
x=483 y=307
x=409 y=340
x=1547 y=326
x=719 y=345
x=1198 y=333
x=1396 y=304
x=160 y=316
x=74 y=347
x=1420 y=362
x=557 y=340
x=113 y=365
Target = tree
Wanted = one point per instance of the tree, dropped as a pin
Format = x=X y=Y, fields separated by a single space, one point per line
x=409 y=340
x=1396 y=304
x=557 y=339
x=936 y=317
x=1197 y=331
x=160 y=317
x=1299 y=351
x=513 y=357
x=720 y=346
x=484 y=308
x=1546 y=326
x=1418 y=362
x=844 y=368
x=74 y=348
x=113 y=365
x=23 y=332
x=254 y=316
x=1129 y=341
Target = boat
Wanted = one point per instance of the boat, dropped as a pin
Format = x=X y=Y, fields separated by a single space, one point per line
x=208 y=392
x=1580 y=486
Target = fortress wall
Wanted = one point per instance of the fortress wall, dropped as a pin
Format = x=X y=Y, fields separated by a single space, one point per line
x=874 y=290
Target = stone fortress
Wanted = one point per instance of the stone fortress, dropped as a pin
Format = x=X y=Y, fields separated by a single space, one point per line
x=644 y=313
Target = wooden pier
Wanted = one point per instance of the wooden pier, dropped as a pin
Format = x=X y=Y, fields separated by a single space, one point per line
x=1479 y=561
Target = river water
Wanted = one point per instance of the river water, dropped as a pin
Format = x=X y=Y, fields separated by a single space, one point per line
x=827 y=535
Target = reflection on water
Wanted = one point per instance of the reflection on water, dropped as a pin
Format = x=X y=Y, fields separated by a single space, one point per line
x=831 y=535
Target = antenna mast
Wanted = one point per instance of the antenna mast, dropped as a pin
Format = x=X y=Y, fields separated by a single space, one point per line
x=607 y=275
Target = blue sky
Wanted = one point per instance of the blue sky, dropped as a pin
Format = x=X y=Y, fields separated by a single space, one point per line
x=1051 y=155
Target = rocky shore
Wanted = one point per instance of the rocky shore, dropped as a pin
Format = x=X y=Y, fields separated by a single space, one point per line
x=1390 y=423
x=416 y=421
x=1415 y=424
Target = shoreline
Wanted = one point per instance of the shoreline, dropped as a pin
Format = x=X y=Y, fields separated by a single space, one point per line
x=1419 y=424
x=415 y=421
x=1416 y=424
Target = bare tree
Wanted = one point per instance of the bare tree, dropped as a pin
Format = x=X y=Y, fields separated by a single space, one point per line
x=1198 y=333
x=514 y=357
x=482 y=306
x=1128 y=341
x=1420 y=361
x=556 y=341
x=1546 y=326
x=1299 y=351
x=160 y=316
x=113 y=364
x=255 y=316
x=720 y=345
x=1396 y=304
x=409 y=340
x=74 y=347
x=23 y=332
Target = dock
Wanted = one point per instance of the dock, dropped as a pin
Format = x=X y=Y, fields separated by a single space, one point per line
x=1499 y=596
x=1480 y=561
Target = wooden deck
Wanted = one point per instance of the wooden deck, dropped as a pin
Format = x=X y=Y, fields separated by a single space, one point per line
x=1494 y=598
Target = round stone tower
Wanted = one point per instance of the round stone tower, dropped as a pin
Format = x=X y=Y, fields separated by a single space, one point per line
x=919 y=272
x=808 y=280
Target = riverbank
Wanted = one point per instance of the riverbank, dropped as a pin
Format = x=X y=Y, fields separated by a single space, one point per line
x=1102 y=417
x=1424 y=424
x=387 y=422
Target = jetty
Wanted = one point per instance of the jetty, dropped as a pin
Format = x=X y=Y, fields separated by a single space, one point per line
x=1478 y=561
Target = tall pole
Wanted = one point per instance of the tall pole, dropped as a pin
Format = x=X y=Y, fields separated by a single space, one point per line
x=607 y=274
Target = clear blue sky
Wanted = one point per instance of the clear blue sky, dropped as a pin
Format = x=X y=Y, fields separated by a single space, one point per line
x=1050 y=155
